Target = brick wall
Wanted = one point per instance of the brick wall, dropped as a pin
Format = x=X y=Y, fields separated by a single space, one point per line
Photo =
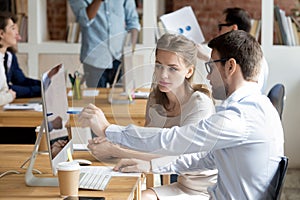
x=57 y=19
x=208 y=11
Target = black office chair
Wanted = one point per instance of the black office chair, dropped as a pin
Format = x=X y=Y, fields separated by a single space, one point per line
x=275 y=188
x=277 y=97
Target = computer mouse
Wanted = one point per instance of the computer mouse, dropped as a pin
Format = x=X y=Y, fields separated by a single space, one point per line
x=83 y=162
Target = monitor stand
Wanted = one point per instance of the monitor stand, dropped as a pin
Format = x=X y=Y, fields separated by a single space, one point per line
x=30 y=178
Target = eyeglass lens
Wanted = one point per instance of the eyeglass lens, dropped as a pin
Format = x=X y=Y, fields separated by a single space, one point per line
x=208 y=67
x=221 y=25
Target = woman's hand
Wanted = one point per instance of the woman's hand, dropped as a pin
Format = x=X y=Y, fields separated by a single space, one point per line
x=13 y=93
x=102 y=149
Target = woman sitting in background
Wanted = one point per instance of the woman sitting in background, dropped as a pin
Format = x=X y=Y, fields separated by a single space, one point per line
x=16 y=80
x=8 y=37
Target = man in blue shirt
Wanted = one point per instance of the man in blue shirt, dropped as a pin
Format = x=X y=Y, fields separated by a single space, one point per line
x=243 y=139
x=104 y=25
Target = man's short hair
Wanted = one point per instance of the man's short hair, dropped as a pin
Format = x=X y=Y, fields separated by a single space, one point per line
x=243 y=47
x=238 y=16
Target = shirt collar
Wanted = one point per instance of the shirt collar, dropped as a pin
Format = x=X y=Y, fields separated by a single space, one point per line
x=2 y=58
x=249 y=88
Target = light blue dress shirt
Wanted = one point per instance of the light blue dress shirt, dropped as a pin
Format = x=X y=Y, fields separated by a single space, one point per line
x=103 y=36
x=244 y=141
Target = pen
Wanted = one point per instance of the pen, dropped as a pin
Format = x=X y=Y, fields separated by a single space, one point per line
x=49 y=114
x=72 y=79
x=129 y=96
x=73 y=112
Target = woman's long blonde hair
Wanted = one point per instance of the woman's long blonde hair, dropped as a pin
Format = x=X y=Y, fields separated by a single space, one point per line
x=186 y=50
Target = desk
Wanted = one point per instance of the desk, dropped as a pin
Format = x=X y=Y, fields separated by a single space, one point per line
x=13 y=186
x=122 y=114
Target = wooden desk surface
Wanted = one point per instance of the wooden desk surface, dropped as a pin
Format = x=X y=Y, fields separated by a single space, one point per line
x=12 y=186
x=122 y=114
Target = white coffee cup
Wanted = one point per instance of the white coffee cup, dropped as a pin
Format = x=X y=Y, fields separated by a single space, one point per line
x=68 y=177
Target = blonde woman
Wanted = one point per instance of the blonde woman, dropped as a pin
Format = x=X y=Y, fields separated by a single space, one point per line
x=173 y=101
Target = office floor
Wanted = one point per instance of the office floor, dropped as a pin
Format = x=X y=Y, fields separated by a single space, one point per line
x=291 y=189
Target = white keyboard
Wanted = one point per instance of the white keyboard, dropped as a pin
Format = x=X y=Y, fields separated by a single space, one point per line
x=94 y=177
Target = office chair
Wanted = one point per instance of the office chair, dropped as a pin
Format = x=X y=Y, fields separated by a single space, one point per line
x=277 y=97
x=276 y=185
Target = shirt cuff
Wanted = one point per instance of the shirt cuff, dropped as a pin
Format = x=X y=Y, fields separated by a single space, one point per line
x=85 y=19
x=159 y=165
x=113 y=133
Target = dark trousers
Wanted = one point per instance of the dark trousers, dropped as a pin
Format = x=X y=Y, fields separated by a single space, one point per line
x=97 y=77
x=109 y=75
x=173 y=178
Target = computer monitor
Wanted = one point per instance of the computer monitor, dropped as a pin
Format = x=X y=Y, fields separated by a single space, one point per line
x=55 y=119
x=135 y=72
x=138 y=67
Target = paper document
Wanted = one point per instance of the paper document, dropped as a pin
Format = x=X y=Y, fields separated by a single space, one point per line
x=23 y=106
x=80 y=147
x=86 y=93
x=113 y=173
x=183 y=21
x=81 y=137
x=109 y=170
x=137 y=95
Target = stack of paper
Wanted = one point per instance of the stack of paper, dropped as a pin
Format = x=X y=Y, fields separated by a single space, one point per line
x=22 y=106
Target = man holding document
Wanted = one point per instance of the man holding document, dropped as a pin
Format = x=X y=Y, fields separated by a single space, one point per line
x=243 y=139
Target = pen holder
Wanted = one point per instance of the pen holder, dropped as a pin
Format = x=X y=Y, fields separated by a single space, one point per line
x=77 y=93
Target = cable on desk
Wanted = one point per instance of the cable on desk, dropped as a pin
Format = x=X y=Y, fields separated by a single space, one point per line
x=9 y=172
x=26 y=161
x=17 y=172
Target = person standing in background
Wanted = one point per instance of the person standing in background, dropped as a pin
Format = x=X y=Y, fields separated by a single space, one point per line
x=104 y=25
x=8 y=36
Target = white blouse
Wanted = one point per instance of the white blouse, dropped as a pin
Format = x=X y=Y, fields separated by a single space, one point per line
x=5 y=96
x=198 y=107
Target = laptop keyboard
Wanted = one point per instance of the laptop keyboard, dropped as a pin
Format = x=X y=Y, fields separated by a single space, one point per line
x=94 y=177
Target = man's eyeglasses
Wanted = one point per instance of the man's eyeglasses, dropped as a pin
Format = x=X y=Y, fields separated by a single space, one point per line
x=221 y=25
x=209 y=64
